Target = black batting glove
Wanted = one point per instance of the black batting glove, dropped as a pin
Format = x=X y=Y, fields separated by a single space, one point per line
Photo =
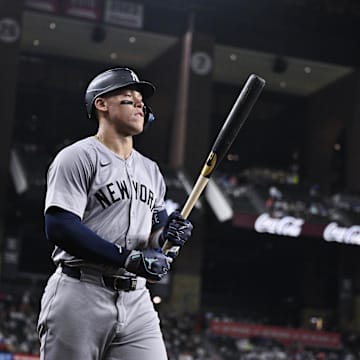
x=150 y=264
x=177 y=230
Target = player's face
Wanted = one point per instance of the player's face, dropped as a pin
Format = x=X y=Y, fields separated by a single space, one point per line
x=125 y=109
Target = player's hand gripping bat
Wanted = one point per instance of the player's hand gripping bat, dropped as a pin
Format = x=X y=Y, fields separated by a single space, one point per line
x=226 y=136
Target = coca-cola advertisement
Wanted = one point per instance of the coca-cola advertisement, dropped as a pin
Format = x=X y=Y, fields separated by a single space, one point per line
x=296 y=227
x=287 y=225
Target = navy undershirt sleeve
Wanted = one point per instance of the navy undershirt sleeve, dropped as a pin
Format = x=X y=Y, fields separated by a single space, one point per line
x=159 y=220
x=65 y=229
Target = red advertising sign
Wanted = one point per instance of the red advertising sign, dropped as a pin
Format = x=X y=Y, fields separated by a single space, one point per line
x=282 y=334
x=88 y=9
x=44 y=5
x=25 y=357
x=295 y=227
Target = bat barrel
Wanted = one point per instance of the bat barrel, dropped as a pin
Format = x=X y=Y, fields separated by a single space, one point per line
x=238 y=115
x=233 y=123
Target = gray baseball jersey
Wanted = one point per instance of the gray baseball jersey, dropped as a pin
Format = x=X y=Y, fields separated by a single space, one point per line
x=115 y=198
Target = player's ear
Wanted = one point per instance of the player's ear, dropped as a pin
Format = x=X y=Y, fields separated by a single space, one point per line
x=100 y=104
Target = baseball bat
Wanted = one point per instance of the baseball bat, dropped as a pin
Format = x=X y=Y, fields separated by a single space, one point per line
x=226 y=136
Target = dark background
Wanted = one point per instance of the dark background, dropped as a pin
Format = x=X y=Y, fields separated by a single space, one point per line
x=261 y=274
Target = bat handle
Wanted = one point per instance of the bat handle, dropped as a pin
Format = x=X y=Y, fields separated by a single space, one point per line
x=186 y=210
x=194 y=196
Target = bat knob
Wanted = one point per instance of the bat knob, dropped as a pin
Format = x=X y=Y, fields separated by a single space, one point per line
x=173 y=252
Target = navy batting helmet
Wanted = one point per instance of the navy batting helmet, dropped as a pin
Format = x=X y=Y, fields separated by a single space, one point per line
x=114 y=79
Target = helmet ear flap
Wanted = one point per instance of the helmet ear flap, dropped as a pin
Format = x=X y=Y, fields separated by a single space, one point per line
x=149 y=116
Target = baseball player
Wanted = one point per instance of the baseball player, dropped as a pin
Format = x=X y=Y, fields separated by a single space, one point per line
x=105 y=214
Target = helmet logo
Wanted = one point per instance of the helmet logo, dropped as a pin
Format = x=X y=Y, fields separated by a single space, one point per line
x=134 y=76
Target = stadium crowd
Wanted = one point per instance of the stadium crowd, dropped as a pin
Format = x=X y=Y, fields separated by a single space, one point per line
x=187 y=337
x=18 y=315
x=280 y=192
